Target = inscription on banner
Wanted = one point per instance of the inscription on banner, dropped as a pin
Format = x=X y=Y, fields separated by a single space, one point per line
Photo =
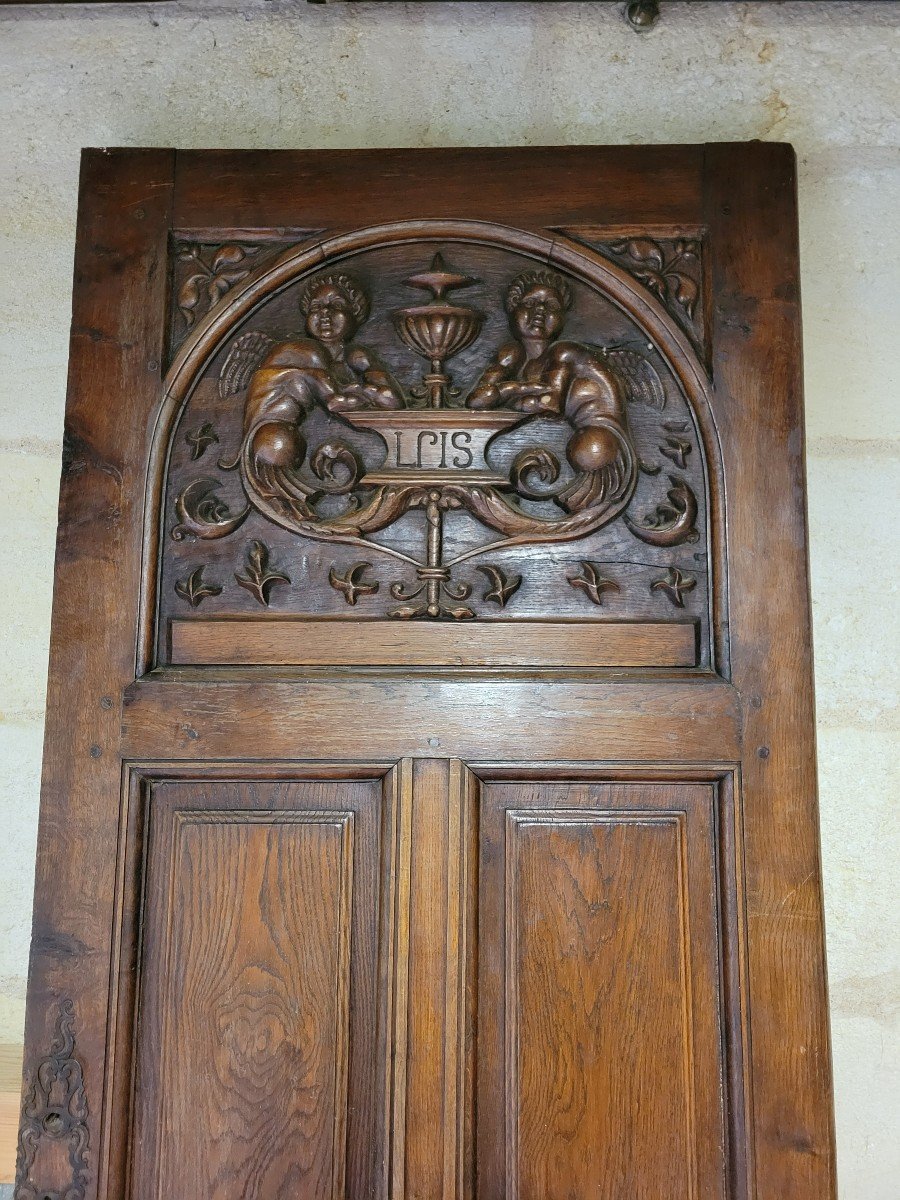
x=440 y=449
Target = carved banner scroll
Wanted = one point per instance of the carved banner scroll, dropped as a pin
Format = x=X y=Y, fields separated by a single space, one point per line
x=438 y=432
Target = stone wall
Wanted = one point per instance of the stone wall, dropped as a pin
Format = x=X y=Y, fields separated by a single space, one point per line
x=820 y=75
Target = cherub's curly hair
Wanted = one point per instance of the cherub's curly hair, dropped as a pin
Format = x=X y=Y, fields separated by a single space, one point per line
x=347 y=285
x=528 y=280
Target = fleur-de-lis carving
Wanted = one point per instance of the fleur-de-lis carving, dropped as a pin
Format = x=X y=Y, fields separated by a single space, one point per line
x=592 y=582
x=352 y=584
x=674 y=584
x=200 y=439
x=258 y=579
x=194 y=590
x=501 y=586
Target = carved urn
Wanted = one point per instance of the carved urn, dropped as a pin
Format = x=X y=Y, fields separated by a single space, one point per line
x=439 y=329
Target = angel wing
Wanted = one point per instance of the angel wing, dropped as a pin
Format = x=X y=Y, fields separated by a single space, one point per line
x=245 y=355
x=641 y=378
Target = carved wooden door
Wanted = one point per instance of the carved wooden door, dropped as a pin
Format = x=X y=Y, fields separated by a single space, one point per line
x=429 y=804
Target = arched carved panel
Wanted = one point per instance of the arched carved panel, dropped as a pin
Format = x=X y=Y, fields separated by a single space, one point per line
x=434 y=423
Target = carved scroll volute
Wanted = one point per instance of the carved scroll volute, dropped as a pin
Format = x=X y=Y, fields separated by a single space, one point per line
x=52 y=1162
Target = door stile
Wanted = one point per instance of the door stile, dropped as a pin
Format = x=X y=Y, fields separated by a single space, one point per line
x=433 y=993
x=395 y=939
x=759 y=412
x=461 y=990
x=115 y=367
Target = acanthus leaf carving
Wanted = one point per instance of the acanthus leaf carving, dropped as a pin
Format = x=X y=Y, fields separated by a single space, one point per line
x=535 y=374
x=55 y=1110
x=671 y=523
x=669 y=268
x=331 y=487
x=211 y=275
x=667 y=272
x=203 y=514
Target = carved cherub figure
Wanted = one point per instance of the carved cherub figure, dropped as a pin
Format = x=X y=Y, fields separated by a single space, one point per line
x=327 y=367
x=535 y=373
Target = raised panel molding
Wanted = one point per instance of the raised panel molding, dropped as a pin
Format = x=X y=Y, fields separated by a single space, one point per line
x=567 y=1013
x=605 y=1020
x=267 y=965
x=253 y=922
x=428 y=756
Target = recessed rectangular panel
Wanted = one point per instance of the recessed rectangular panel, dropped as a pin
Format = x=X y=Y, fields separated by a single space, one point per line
x=437 y=644
x=599 y=1036
x=258 y=928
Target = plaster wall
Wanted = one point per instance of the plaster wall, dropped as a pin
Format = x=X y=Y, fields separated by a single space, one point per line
x=821 y=75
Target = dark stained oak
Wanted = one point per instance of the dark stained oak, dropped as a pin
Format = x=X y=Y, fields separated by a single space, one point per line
x=256 y=984
x=429 y=805
x=599 y=992
x=488 y=644
x=257 y=1057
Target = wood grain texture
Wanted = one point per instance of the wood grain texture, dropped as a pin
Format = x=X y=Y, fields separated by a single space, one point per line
x=600 y=1004
x=295 y=189
x=200 y=719
x=436 y=1104
x=115 y=358
x=226 y=389
x=258 y=980
x=752 y=212
x=383 y=644
x=257 y=935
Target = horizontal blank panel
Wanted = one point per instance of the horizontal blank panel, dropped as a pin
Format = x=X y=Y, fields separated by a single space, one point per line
x=326 y=643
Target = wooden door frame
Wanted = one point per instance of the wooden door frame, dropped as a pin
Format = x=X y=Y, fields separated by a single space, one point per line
x=756 y=722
